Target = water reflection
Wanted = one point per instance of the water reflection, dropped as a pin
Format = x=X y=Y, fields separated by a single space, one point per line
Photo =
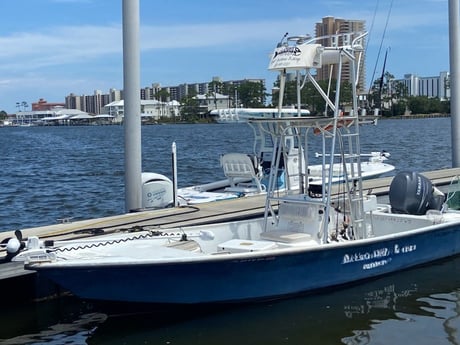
x=64 y=321
x=418 y=306
x=393 y=310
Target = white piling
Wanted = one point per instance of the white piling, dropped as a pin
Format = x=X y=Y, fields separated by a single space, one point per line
x=454 y=55
x=132 y=116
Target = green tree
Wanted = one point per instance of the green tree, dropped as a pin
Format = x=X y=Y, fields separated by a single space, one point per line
x=399 y=107
x=399 y=90
x=290 y=93
x=418 y=104
x=310 y=98
x=251 y=94
x=346 y=93
x=162 y=95
x=313 y=100
x=189 y=109
x=374 y=97
x=426 y=105
x=389 y=95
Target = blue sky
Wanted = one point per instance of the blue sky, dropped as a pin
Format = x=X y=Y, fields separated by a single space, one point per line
x=50 y=48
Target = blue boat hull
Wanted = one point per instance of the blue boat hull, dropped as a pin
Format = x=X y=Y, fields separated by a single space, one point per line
x=227 y=279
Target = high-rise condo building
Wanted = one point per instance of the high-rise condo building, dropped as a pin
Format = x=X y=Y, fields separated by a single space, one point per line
x=330 y=26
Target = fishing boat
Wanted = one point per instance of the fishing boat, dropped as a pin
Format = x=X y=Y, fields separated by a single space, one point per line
x=308 y=239
x=247 y=174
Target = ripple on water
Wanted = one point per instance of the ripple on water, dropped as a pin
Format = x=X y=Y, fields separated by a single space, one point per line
x=55 y=172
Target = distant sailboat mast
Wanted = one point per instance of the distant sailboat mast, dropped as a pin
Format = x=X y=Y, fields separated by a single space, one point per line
x=381 y=80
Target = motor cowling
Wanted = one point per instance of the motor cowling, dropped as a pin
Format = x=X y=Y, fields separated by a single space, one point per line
x=157 y=191
x=413 y=193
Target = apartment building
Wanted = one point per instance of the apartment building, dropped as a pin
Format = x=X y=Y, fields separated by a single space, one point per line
x=433 y=87
x=337 y=29
x=92 y=104
x=206 y=92
x=177 y=93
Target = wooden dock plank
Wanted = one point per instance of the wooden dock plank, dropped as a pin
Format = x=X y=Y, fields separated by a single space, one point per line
x=12 y=269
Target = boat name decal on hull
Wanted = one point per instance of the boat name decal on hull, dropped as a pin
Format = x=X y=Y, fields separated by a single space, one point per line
x=378 y=257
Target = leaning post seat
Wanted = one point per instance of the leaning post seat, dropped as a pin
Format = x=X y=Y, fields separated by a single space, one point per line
x=241 y=166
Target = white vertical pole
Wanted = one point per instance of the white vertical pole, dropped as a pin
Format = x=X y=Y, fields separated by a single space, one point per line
x=299 y=101
x=454 y=80
x=132 y=118
x=174 y=168
x=281 y=92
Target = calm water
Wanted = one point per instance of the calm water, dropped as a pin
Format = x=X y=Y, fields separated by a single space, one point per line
x=51 y=173
x=414 y=307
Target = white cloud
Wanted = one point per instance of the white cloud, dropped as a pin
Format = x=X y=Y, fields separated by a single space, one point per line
x=63 y=45
x=220 y=34
x=72 y=44
x=26 y=58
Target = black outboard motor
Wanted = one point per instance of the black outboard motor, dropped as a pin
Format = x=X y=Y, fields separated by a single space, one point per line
x=413 y=193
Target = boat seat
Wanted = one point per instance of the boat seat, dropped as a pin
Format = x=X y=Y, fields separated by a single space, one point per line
x=244 y=189
x=285 y=236
x=244 y=246
x=241 y=166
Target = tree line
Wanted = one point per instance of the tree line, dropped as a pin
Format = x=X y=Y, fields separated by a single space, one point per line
x=387 y=94
x=245 y=95
x=393 y=98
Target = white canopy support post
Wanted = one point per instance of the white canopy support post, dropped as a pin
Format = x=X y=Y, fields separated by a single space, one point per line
x=298 y=88
x=281 y=92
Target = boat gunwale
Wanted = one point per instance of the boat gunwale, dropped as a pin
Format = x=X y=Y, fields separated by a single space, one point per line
x=227 y=256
